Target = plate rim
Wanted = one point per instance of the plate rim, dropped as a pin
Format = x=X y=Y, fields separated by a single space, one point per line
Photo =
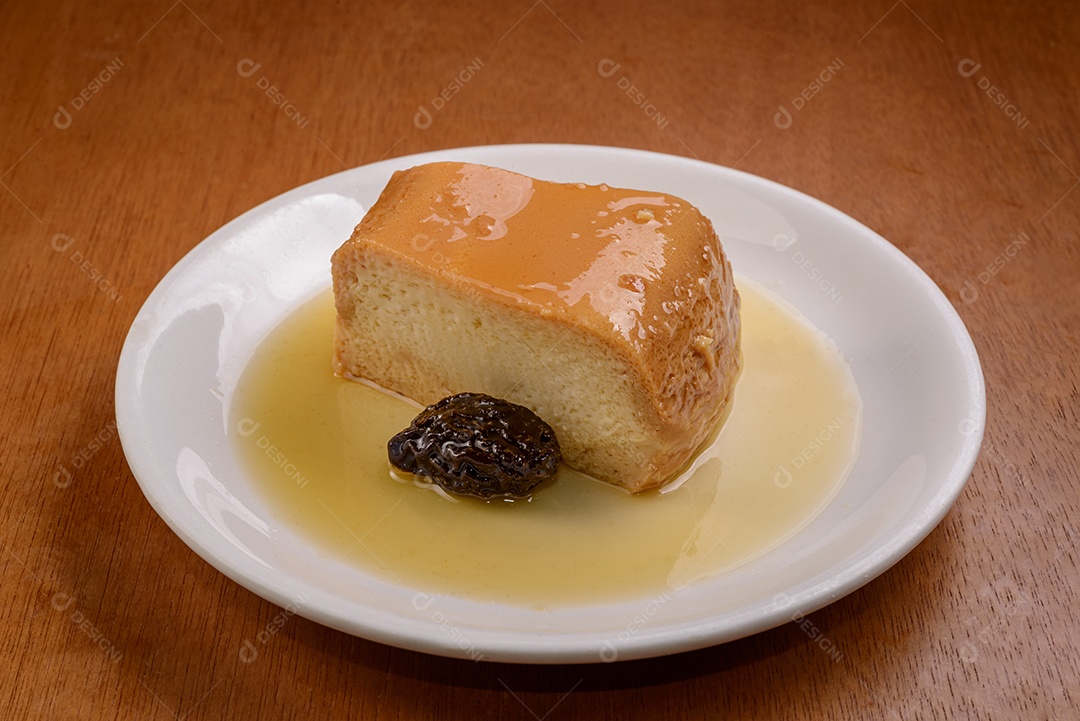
x=550 y=648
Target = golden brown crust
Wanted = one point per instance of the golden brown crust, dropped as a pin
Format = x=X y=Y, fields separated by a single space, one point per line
x=641 y=274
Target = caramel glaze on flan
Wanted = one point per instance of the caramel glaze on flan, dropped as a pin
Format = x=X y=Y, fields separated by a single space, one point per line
x=611 y=313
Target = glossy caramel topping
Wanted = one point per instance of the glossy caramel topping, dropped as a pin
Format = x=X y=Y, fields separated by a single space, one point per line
x=593 y=252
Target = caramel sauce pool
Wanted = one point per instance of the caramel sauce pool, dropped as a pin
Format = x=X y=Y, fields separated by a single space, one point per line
x=320 y=461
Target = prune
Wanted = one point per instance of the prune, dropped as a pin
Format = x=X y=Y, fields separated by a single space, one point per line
x=476 y=445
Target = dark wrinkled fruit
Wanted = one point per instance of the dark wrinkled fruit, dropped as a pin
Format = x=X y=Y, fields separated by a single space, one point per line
x=475 y=445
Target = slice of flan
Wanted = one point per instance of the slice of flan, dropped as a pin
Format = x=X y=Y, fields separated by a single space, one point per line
x=611 y=313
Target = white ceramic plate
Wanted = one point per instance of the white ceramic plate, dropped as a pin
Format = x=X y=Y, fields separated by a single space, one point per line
x=915 y=365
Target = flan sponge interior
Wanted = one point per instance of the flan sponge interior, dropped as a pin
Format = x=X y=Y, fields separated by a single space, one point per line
x=611 y=313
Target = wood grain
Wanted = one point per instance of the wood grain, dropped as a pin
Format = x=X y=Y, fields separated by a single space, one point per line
x=105 y=613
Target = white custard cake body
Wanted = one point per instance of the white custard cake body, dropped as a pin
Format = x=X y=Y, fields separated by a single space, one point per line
x=611 y=313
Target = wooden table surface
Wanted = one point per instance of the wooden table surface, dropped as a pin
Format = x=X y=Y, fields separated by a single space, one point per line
x=131 y=131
